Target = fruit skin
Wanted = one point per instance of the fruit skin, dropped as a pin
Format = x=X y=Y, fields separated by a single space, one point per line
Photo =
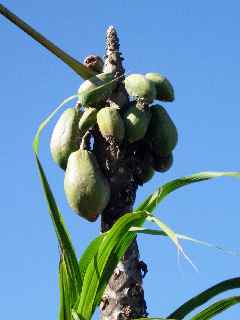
x=87 y=120
x=162 y=132
x=162 y=164
x=65 y=137
x=110 y=123
x=91 y=99
x=164 y=89
x=136 y=121
x=137 y=85
x=87 y=190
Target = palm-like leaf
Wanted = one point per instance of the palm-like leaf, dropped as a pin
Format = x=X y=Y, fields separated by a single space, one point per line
x=94 y=274
x=216 y=308
x=203 y=297
x=78 y=67
x=151 y=202
x=70 y=279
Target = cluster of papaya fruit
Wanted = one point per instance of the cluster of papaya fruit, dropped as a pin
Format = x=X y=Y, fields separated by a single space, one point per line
x=87 y=189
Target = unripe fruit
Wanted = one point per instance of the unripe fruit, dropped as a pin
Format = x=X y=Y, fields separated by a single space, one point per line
x=86 y=188
x=110 y=123
x=88 y=119
x=164 y=89
x=89 y=98
x=137 y=85
x=162 y=133
x=136 y=122
x=162 y=164
x=65 y=137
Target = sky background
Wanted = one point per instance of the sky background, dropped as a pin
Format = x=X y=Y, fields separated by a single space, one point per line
x=196 y=45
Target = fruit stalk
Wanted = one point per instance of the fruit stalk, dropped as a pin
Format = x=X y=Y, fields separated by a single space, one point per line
x=124 y=295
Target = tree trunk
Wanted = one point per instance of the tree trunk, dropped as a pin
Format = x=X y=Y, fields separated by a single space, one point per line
x=124 y=295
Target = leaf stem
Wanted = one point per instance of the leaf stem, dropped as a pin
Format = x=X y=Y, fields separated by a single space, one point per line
x=79 y=68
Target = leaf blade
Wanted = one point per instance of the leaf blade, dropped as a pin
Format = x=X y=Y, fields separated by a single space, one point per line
x=216 y=308
x=65 y=243
x=204 y=296
x=96 y=267
x=151 y=202
x=75 y=65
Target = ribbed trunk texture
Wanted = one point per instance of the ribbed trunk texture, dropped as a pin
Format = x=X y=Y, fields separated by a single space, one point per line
x=124 y=295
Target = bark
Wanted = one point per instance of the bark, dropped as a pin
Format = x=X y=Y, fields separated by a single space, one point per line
x=120 y=162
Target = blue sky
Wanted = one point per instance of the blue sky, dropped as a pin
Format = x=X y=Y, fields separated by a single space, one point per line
x=196 y=45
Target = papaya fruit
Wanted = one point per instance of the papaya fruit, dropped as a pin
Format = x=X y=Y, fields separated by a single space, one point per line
x=110 y=123
x=137 y=85
x=162 y=164
x=94 y=90
x=136 y=121
x=65 y=136
x=162 y=132
x=87 y=120
x=86 y=189
x=164 y=89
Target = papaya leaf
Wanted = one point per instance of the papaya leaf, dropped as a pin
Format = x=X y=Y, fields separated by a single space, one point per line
x=151 y=202
x=203 y=297
x=75 y=315
x=65 y=292
x=94 y=274
x=216 y=308
x=89 y=254
x=154 y=232
x=65 y=244
x=78 y=67
x=115 y=257
x=172 y=235
x=99 y=92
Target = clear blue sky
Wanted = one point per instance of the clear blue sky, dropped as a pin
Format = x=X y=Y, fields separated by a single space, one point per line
x=196 y=45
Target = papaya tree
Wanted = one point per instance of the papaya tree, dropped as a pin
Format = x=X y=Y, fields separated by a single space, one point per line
x=109 y=143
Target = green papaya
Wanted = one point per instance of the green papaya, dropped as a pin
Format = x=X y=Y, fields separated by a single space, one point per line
x=110 y=123
x=136 y=121
x=162 y=132
x=164 y=89
x=88 y=119
x=137 y=85
x=65 y=137
x=87 y=190
x=162 y=164
x=96 y=89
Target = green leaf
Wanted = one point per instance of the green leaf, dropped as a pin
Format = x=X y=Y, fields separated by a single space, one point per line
x=203 y=297
x=94 y=275
x=78 y=67
x=96 y=94
x=115 y=257
x=179 y=236
x=65 y=292
x=64 y=240
x=75 y=315
x=89 y=254
x=172 y=235
x=155 y=198
x=216 y=308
